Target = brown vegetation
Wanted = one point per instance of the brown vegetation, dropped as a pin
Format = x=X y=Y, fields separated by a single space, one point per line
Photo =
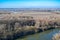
x=16 y=25
x=56 y=36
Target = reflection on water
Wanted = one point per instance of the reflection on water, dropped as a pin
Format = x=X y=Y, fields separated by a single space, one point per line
x=47 y=35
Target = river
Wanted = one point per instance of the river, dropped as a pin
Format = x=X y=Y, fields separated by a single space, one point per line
x=46 y=35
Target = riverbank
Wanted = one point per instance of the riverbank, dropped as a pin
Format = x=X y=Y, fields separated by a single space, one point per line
x=56 y=36
x=46 y=35
x=13 y=26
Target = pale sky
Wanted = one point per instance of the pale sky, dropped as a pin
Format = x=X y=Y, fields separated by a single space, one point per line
x=29 y=3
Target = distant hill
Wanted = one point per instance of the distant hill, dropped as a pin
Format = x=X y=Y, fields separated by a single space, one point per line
x=29 y=9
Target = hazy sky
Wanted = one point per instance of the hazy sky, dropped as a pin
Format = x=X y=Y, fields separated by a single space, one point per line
x=29 y=3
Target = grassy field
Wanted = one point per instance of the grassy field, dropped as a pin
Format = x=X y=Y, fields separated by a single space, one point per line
x=25 y=23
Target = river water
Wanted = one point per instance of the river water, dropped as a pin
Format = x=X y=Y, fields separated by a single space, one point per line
x=46 y=35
